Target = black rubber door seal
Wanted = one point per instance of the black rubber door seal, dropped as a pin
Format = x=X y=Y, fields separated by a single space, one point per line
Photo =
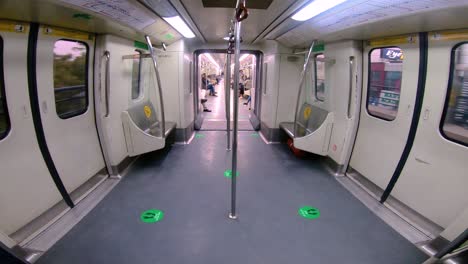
x=36 y=113
x=423 y=53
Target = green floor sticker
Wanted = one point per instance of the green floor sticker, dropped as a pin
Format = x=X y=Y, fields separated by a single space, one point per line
x=309 y=212
x=152 y=216
x=199 y=136
x=255 y=135
x=228 y=173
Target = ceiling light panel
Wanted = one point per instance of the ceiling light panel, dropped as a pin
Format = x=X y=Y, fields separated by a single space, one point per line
x=179 y=25
x=315 y=8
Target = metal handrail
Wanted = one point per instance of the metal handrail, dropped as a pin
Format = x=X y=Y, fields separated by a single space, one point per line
x=304 y=70
x=99 y=117
x=158 y=80
x=351 y=77
x=106 y=55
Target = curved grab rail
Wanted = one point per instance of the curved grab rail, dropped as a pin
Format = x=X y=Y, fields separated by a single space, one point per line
x=304 y=70
x=158 y=80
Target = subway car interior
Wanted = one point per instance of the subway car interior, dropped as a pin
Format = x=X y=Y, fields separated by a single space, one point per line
x=233 y=131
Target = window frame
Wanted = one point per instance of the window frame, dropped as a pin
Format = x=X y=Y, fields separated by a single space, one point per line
x=139 y=76
x=315 y=78
x=369 y=78
x=448 y=94
x=5 y=133
x=85 y=109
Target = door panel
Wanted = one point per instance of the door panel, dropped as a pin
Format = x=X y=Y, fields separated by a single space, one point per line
x=26 y=187
x=386 y=113
x=436 y=167
x=65 y=91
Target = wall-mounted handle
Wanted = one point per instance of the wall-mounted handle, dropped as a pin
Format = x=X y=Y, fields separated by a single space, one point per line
x=351 y=75
x=106 y=56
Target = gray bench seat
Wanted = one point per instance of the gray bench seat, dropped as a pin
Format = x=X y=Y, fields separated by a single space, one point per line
x=142 y=129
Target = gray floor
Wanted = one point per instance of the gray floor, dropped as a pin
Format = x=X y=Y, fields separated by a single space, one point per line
x=187 y=183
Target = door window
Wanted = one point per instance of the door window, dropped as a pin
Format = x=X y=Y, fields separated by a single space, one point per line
x=136 y=76
x=70 y=78
x=454 y=125
x=385 y=74
x=4 y=118
x=320 y=77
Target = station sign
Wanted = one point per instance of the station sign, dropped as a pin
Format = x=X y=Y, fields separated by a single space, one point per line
x=391 y=54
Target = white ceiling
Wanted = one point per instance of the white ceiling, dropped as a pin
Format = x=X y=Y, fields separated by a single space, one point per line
x=354 y=19
x=214 y=23
x=362 y=19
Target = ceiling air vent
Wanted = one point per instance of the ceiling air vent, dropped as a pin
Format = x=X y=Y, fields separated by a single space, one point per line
x=253 y=4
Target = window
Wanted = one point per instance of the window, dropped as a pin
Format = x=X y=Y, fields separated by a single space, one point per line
x=385 y=73
x=70 y=78
x=320 y=77
x=454 y=125
x=4 y=118
x=136 y=76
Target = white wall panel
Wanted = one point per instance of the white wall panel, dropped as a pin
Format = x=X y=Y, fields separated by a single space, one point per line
x=120 y=85
x=288 y=87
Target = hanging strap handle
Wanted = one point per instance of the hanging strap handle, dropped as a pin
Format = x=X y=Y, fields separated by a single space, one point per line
x=241 y=13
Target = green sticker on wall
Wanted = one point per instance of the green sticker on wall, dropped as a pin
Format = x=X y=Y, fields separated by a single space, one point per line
x=83 y=16
x=140 y=45
x=199 y=135
x=309 y=212
x=228 y=173
x=152 y=216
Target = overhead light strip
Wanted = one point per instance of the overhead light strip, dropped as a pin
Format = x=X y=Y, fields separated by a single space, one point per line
x=210 y=58
x=315 y=8
x=177 y=23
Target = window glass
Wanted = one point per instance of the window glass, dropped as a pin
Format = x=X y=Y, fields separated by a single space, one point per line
x=455 y=121
x=320 y=77
x=136 y=77
x=385 y=71
x=70 y=78
x=4 y=119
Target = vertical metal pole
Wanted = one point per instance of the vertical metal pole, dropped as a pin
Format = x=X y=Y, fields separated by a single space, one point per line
x=237 y=30
x=301 y=82
x=227 y=85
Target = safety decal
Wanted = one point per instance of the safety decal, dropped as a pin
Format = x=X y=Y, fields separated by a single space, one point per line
x=309 y=212
x=152 y=216
x=147 y=110
x=307 y=112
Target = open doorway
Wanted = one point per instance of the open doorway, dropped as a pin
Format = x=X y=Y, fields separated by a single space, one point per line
x=210 y=100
